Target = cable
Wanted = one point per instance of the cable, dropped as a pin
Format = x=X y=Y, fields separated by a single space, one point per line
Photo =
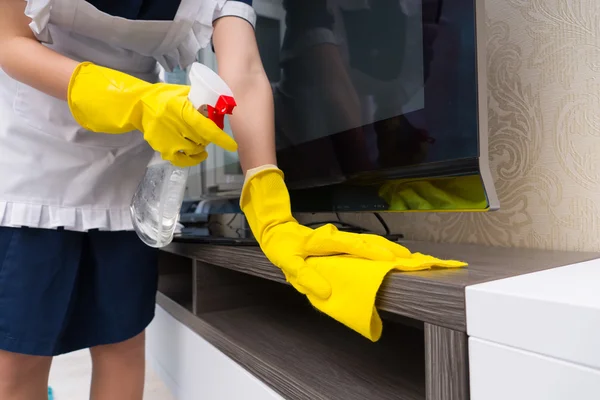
x=383 y=223
x=385 y=226
x=228 y=224
x=341 y=224
x=337 y=215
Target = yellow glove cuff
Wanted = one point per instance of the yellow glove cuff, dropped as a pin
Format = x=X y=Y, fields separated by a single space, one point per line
x=265 y=200
x=253 y=171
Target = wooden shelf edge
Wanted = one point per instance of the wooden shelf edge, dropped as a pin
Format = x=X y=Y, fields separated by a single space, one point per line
x=436 y=296
x=408 y=295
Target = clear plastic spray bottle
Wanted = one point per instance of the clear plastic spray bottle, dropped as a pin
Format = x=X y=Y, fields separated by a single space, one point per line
x=156 y=203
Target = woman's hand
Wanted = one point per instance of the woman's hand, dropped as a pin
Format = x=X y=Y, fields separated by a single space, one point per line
x=108 y=101
x=287 y=244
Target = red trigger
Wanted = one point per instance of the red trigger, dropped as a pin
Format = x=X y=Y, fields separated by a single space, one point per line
x=224 y=106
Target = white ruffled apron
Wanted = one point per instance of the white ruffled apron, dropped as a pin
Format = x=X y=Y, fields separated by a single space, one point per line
x=53 y=173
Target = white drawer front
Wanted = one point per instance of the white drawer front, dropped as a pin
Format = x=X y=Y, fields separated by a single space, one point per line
x=499 y=372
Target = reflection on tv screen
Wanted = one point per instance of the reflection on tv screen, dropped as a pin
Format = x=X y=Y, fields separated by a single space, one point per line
x=372 y=85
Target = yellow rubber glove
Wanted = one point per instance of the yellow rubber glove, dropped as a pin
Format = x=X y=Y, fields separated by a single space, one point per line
x=108 y=101
x=355 y=283
x=287 y=244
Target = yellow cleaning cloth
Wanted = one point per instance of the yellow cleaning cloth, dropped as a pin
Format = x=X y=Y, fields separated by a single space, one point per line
x=354 y=285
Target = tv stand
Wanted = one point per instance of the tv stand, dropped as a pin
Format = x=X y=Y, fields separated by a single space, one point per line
x=228 y=327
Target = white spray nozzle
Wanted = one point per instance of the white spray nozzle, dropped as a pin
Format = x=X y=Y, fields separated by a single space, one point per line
x=208 y=89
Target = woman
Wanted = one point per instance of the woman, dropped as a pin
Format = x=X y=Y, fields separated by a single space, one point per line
x=80 y=118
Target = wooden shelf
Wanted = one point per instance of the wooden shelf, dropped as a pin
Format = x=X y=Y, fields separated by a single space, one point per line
x=304 y=355
x=435 y=296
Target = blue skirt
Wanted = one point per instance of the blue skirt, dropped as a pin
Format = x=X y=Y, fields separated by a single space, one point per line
x=62 y=291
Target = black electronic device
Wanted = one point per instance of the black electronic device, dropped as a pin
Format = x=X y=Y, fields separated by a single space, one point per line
x=380 y=105
x=214 y=240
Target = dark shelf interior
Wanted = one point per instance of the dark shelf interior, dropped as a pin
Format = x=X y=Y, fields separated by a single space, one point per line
x=176 y=279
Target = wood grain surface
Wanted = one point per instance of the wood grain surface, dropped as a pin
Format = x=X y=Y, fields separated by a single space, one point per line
x=435 y=296
x=304 y=355
x=446 y=364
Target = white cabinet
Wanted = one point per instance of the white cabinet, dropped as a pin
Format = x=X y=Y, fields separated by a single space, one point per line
x=536 y=336
x=501 y=373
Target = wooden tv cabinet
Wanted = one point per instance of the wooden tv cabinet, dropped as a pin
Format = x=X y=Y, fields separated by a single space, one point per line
x=229 y=327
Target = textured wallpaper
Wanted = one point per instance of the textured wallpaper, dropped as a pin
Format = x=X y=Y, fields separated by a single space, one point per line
x=543 y=60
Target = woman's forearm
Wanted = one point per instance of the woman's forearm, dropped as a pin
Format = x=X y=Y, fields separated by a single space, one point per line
x=23 y=58
x=240 y=66
x=29 y=62
x=253 y=121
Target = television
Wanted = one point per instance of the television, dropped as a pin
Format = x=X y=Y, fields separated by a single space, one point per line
x=380 y=105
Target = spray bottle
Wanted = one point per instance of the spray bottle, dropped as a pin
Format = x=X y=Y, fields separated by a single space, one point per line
x=156 y=203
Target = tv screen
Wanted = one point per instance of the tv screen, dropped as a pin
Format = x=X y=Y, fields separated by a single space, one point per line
x=380 y=105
